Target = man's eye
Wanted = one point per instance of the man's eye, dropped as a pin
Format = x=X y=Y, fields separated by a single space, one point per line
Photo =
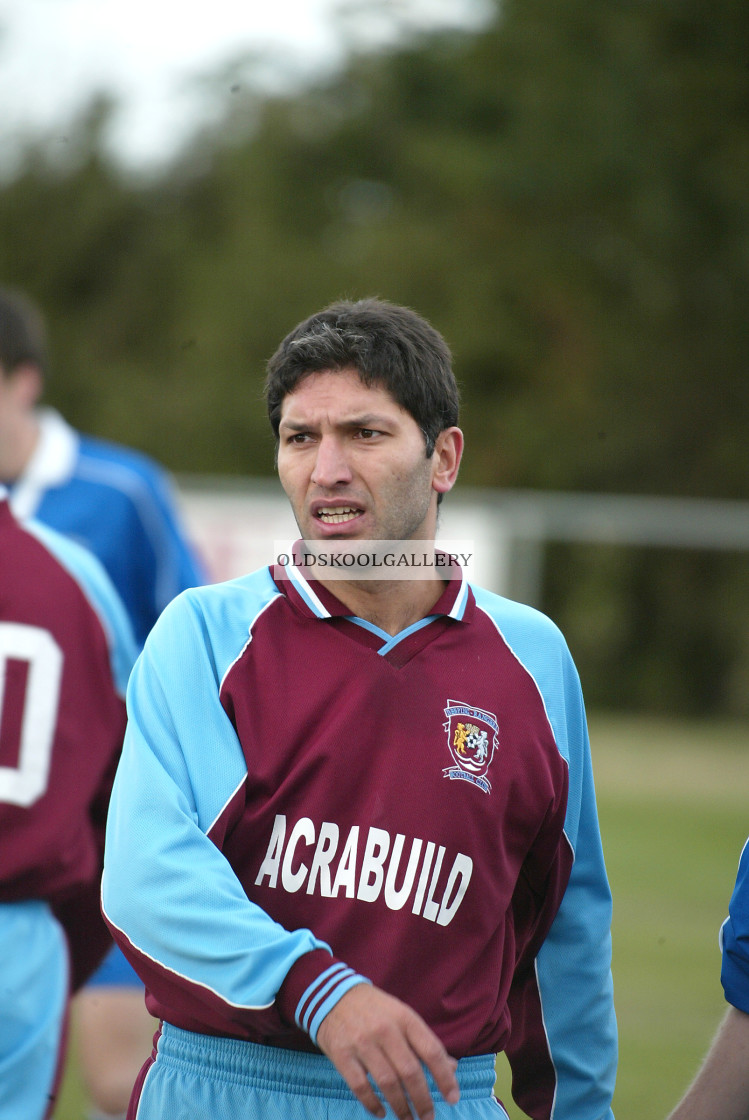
x=367 y=433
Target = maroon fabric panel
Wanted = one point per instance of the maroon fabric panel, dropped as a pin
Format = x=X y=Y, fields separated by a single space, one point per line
x=535 y=905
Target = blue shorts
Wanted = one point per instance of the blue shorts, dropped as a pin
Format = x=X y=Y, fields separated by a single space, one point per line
x=226 y=1079
x=34 y=982
x=115 y=971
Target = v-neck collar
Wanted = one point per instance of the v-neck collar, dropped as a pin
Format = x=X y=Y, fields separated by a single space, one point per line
x=311 y=599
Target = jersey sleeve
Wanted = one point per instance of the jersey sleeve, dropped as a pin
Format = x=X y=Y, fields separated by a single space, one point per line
x=143 y=542
x=563 y=1006
x=170 y=896
x=574 y=963
x=80 y=913
x=734 y=940
x=177 y=566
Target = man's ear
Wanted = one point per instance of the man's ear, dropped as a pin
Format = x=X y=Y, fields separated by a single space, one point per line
x=448 y=451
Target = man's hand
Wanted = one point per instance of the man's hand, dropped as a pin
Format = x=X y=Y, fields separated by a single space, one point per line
x=370 y=1032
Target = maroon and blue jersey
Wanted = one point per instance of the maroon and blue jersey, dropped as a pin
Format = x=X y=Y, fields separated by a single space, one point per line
x=65 y=653
x=305 y=801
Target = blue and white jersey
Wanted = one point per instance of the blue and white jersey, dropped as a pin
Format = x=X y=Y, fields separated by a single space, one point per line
x=305 y=801
x=735 y=940
x=120 y=505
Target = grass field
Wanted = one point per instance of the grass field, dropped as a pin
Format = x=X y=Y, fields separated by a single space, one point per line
x=672 y=799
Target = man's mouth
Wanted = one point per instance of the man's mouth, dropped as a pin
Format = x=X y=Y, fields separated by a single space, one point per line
x=336 y=515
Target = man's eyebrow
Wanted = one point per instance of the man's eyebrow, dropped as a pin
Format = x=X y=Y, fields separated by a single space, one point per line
x=366 y=420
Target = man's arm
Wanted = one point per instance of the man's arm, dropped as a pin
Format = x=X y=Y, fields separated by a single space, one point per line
x=181 y=915
x=721 y=1089
x=565 y=1023
x=169 y=894
x=566 y=1026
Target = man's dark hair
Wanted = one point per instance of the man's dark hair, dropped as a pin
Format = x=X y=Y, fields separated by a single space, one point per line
x=387 y=345
x=22 y=334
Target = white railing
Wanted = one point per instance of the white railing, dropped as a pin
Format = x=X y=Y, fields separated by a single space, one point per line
x=234 y=522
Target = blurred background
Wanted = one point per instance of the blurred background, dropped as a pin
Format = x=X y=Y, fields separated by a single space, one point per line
x=562 y=188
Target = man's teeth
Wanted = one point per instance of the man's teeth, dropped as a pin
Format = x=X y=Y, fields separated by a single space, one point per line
x=337 y=515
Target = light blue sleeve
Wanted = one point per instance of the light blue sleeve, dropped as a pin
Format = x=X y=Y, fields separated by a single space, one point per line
x=166 y=885
x=98 y=588
x=573 y=967
x=574 y=964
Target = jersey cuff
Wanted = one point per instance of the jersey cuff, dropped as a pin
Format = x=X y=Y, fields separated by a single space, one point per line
x=312 y=988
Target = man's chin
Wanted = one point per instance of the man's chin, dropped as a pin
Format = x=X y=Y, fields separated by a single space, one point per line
x=332 y=539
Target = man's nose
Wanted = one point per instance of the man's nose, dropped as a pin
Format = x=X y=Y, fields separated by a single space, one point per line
x=331 y=464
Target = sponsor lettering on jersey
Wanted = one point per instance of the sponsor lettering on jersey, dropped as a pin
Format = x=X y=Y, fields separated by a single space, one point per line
x=473 y=737
x=366 y=867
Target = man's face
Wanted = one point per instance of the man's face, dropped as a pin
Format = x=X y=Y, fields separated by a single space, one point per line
x=353 y=462
x=11 y=403
x=19 y=391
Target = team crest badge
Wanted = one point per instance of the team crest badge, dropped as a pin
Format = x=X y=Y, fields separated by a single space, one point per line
x=473 y=737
